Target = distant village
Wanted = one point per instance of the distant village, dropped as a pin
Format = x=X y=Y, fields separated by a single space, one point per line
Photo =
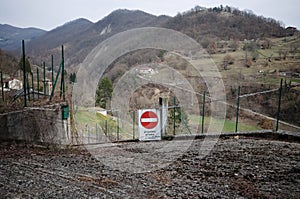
x=12 y=85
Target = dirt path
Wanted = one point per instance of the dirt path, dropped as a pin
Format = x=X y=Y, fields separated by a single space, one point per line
x=235 y=168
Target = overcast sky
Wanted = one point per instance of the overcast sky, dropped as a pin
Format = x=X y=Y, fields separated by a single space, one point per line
x=48 y=14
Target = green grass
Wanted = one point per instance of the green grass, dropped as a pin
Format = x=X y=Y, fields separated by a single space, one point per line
x=109 y=125
x=229 y=126
x=296 y=80
x=86 y=119
x=232 y=74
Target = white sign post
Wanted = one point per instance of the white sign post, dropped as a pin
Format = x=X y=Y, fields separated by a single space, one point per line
x=149 y=125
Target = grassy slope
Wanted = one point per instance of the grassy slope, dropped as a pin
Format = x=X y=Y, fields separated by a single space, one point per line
x=88 y=121
x=229 y=125
x=237 y=74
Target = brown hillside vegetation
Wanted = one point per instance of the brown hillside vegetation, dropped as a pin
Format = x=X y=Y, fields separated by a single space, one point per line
x=250 y=51
x=8 y=63
x=204 y=25
x=81 y=36
x=225 y=23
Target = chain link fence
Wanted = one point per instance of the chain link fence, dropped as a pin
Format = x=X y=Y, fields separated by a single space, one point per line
x=270 y=108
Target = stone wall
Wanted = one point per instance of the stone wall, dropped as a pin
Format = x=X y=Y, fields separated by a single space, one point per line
x=35 y=125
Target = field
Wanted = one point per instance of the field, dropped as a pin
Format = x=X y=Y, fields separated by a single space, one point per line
x=229 y=125
x=262 y=72
x=266 y=64
x=261 y=76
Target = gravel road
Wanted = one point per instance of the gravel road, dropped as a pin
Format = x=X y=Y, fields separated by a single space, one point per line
x=234 y=168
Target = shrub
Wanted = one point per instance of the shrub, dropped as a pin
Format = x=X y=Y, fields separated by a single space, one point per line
x=266 y=124
x=229 y=59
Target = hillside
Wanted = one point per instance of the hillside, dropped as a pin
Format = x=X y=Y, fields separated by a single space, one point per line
x=10 y=36
x=250 y=51
x=209 y=26
x=60 y=35
x=81 y=36
x=203 y=24
x=8 y=63
x=225 y=23
x=50 y=43
x=116 y=22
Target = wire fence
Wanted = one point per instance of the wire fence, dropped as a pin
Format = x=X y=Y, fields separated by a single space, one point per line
x=247 y=110
x=34 y=89
x=273 y=108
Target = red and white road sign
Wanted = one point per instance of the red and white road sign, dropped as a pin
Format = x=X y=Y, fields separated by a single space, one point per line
x=149 y=125
x=149 y=119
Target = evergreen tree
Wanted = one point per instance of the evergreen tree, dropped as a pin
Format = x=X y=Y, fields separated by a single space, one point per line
x=104 y=92
x=72 y=77
x=27 y=65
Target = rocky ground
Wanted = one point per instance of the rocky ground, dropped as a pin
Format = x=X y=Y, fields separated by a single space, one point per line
x=234 y=168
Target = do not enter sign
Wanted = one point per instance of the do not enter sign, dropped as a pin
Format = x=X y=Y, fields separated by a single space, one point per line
x=149 y=124
x=149 y=119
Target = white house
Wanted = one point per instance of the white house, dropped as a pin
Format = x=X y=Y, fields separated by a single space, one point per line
x=15 y=84
x=100 y=110
x=12 y=84
x=48 y=86
x=145 y=70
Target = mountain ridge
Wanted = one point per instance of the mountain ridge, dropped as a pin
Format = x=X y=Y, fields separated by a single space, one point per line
x=80 y=36
x=79 y=43
x=11 y=36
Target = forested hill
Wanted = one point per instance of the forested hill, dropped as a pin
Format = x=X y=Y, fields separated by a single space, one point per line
x=225 y=23
x=81 y=36
x=203 y=24
x=10 y=36
x=8 y=63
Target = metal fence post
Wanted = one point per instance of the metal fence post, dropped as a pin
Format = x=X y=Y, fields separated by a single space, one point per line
x=38 y=82
x=96 y=130
x=63 y=72
x=237 y=109
x=44 y=78
x=52 y=70
x=24 y=73
x=203 y=112
x=54 y=85
x=32 y=82
x=106 y=128
x=184 y=123
x=174 y=116
x=279 y=103
x=118 y=128
x=27 y=85
x=2 y=86
x=62 y=85
x=88 y=131
x=133 y=125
